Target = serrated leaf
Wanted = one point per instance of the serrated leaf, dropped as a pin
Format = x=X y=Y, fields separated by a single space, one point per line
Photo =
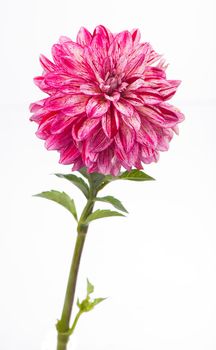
x=77 y=181
x=97 y=301
x=61 y=198
x=98 y=214
x=90 y=287
x=135 y=175
x=114 y=201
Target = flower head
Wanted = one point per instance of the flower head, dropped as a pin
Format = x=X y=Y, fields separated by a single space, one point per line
x=107 y=105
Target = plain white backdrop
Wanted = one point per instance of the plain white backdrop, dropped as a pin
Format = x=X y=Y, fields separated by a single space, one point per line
x=158 y=265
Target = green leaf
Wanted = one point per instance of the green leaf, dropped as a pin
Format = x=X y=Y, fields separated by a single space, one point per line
x=90 y=287
x=98 y=214
x=60 y=198
x=77 y=181
x=97 y=301
x=114 y=201
x=135 y=175
x=83 y=172
x=95 y=178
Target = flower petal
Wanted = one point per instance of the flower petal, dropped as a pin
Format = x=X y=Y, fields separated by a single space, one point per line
x=61 y=102
x=125 y=138
x=84 y=37
x=98 y=142
x=146 y=135
x=110 y=123
x=136 y=85
x=57 y=142
x=124 y=107
x=104 y=161
x=168 y=91
x=136 y=36
x=104 y=32
x=90 y=89
x=69 y=154
x=60 y=123
x=47 y=65
x=124 y=40
x=96 y=107
x=86 y=128
x=133 y=121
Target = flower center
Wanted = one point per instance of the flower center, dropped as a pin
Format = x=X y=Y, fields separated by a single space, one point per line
x=113 y=83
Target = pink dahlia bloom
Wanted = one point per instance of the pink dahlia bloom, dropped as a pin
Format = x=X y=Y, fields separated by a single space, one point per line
x=107 y=105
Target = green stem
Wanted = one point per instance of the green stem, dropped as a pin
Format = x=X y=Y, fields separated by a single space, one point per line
x=75 y=321
x=63 y=326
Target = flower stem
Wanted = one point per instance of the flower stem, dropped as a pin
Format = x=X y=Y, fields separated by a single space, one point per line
x=63 y=326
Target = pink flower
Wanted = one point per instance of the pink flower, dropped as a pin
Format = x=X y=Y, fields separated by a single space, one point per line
x=107 y=105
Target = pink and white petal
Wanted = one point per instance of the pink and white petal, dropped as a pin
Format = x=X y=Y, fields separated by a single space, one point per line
x=133 y=155
x=110 y=123
x=58 y=79
x=60 y=123
x=84 y=37
x=171 y=112
x=125 y=42
x=149 y=155
x=150 y=96
x=77 y=125
x=69 y=154
x=104 y=32
x=37 y=106
x=63 y=39
x=114 y=53
x=136 y=85
x=65 y=101
x=78 y=164
x=133 y=121
x=121 y=64
x=134 y=98
x=125 y=138
x=116 y=166
x=57 y=142
x=46 y=64
x=99 y=47
x=94 y=69
x=124 y=107
x=44 y=127
x=96 y=107
x=168 y=91
x=154 y=73
x=176 y=129
x=162 y=64
x=154 y=115
x=98 y=142
x=86 y=128
x=74 y=50
x=164 y=139
x=41 y=83
x=58 y=53
x=147 y=135
x=90 y=89
x=153 y=57
x=104 y=161
x=137 y=61
x=136 y=36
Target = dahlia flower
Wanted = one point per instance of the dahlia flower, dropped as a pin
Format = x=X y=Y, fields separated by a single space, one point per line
x=107 y=105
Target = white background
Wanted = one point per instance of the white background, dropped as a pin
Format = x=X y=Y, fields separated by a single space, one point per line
x=158 y=265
